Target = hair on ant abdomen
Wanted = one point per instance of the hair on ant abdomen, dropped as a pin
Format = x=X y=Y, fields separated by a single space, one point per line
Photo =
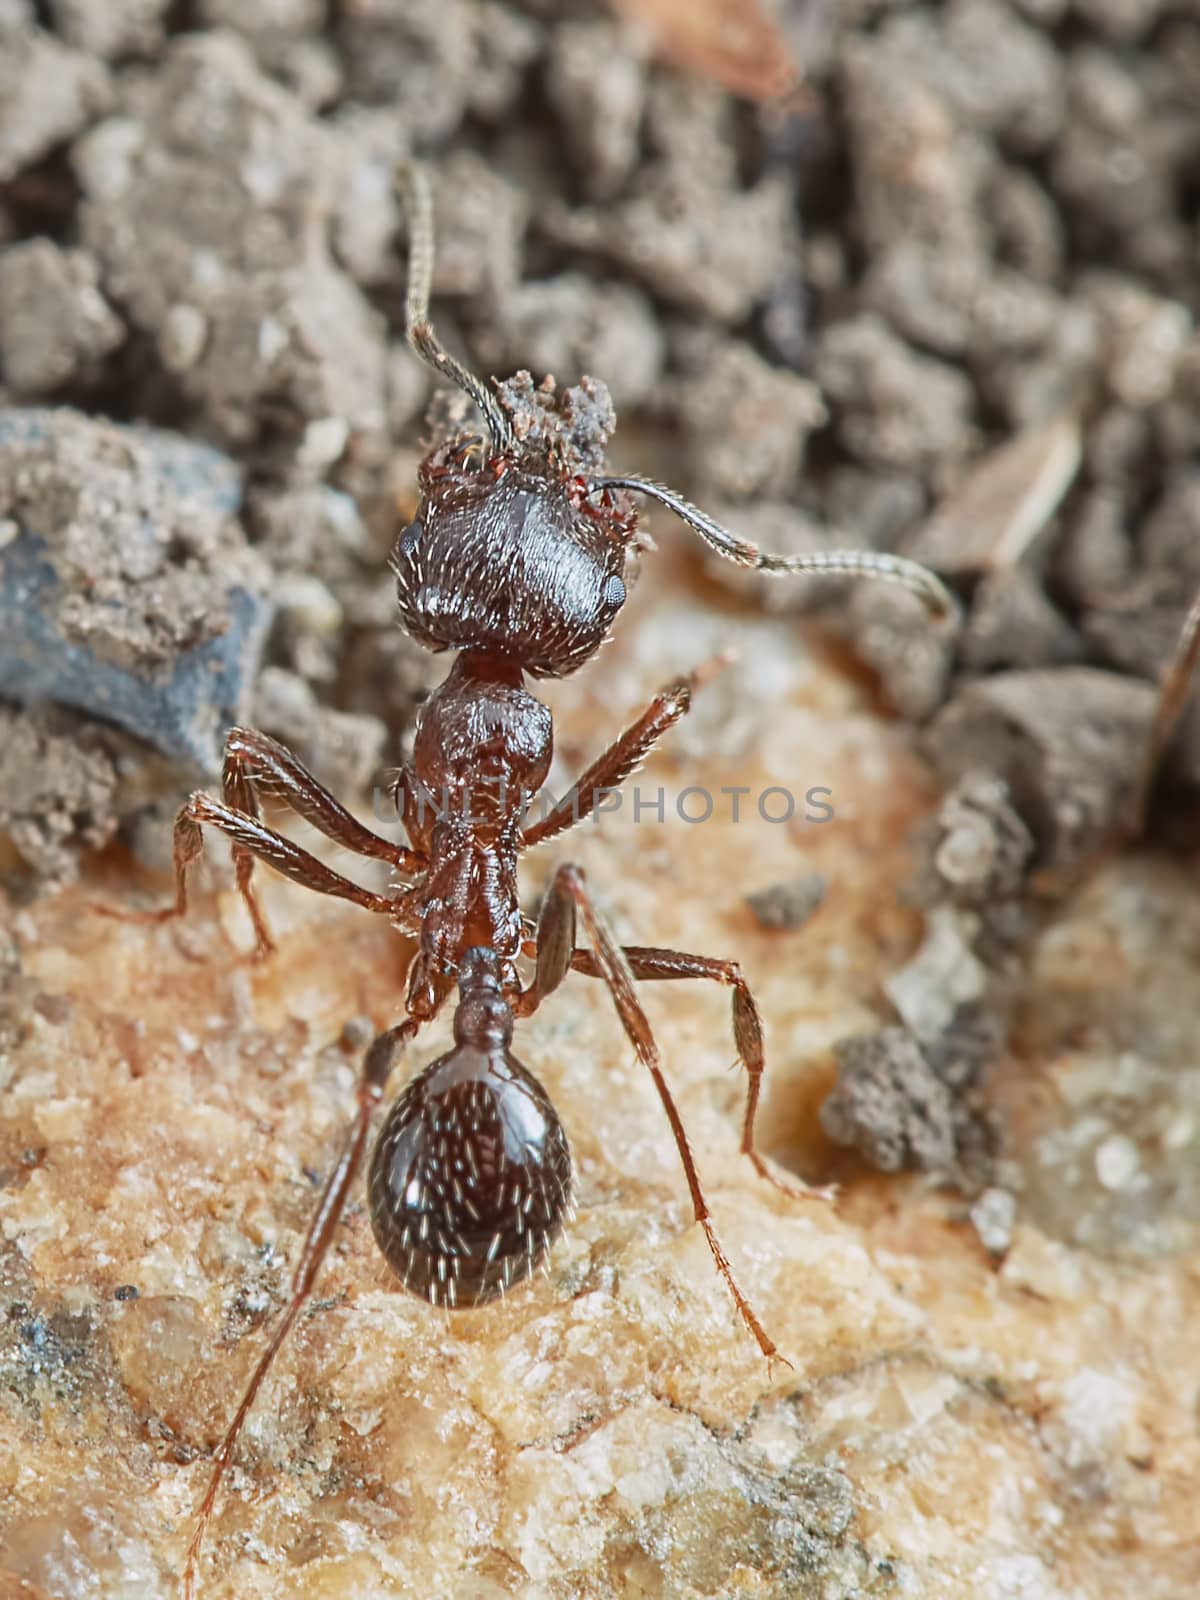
x=515 y=561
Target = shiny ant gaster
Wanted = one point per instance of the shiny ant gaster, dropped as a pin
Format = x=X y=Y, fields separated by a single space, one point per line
x=515 y=560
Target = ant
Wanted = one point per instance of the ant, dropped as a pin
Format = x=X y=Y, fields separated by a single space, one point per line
x=514 y=561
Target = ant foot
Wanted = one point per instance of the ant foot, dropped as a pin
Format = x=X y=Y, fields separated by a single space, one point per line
x=797 y=1189
x=137 y=914
x=264 y=946
x=777 y=1356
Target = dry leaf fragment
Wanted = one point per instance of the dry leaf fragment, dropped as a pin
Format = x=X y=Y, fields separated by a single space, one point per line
x=733 y=42
x=1004 y=503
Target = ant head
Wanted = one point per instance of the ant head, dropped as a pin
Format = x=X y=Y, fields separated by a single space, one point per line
x=513 y=552
x=519 y=543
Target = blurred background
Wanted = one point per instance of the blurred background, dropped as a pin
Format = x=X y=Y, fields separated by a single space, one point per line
x=920 y=277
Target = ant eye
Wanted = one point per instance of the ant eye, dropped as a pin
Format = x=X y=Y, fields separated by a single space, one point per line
x=407 y=542
x=613 y=593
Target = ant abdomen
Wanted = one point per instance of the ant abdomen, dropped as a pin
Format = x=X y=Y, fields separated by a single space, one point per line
x=470 y=1178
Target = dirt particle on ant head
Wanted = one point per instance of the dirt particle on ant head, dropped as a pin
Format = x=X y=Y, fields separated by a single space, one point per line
x=575 y=423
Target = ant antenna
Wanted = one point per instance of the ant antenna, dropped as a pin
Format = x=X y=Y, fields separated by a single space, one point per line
x=908 y=574
x=413 y=183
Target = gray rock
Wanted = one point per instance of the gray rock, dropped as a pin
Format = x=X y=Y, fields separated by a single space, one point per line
x=126 y=587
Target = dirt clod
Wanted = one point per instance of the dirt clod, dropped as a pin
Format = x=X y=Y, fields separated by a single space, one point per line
x=788 y=905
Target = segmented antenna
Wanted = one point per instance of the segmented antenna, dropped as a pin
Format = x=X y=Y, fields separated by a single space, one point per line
x=412 y=180
x=908 y=574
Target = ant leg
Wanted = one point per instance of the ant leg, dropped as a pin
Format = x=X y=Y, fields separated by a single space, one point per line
x=626 y=754
x=255 y=764
x=255 y=841
x=378 y=1063
x=649 y=963
x=418 y=810
x=568 y=894
x=1173 y=696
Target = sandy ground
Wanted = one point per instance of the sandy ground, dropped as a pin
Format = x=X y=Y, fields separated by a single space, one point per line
x=950 y=1424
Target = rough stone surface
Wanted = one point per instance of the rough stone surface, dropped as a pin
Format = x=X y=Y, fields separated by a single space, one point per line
x=746 y=422
x=710 y=252
x=607 y=1424
x=571 y=323
x=890 y=1103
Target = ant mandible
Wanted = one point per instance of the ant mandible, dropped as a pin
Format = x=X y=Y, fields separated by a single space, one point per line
x=515 y=561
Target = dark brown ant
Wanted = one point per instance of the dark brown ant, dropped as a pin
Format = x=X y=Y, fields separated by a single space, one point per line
x=516 y=562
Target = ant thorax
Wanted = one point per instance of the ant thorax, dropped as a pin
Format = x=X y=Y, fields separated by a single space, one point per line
x=483 y=743
x=512 y=553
